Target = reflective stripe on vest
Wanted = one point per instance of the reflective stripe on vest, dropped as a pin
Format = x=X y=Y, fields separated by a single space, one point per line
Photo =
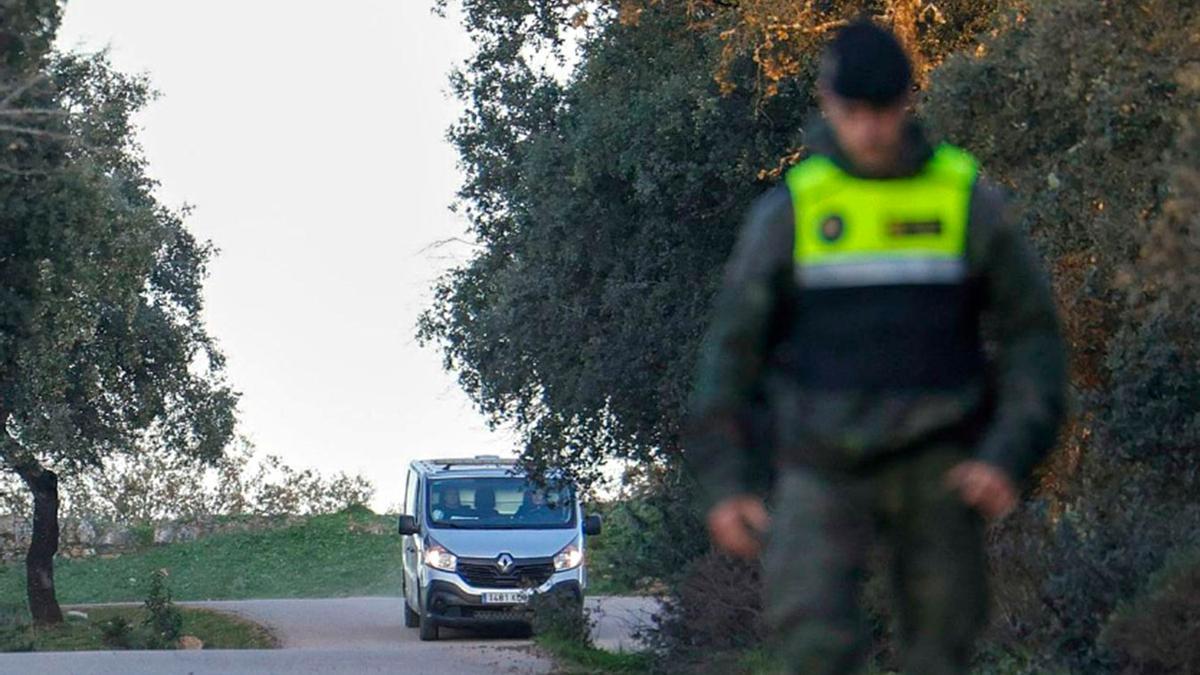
x=884 y=300
x=861 y=232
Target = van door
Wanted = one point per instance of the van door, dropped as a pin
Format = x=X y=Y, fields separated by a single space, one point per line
x=411 y=558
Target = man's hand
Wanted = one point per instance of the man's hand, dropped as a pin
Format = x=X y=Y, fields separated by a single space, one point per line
x=984 y=487
x=737 y=525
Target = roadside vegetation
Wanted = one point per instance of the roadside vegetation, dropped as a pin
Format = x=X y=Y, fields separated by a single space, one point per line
x=353 y=552
x=604 y=195
x=101 y=631
x=573 y=658
x=563 y=629
x=157 y=624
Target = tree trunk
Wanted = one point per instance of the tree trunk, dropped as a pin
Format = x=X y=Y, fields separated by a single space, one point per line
x=39 y=563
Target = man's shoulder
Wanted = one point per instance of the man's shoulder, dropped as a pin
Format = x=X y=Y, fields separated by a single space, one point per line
x=771 y=218
x=992 y=219
x=774 y=202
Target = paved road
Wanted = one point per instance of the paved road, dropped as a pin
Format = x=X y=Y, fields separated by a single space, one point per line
x=339 y=636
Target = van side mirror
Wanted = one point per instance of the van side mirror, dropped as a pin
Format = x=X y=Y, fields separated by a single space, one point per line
x=409 y=525
x=592 y=525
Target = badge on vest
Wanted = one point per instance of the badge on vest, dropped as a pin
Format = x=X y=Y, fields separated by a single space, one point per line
x=913 y=229
x=832 y=228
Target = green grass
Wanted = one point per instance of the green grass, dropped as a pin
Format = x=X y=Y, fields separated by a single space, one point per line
x=338 y=555
x=574 y=658
x=216 y=629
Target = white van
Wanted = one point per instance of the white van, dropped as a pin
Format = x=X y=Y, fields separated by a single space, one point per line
x=480 y=539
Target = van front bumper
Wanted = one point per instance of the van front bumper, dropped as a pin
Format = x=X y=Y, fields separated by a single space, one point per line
x=451 y=602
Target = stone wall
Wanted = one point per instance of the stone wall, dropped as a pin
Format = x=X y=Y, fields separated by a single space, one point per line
x=82 y=537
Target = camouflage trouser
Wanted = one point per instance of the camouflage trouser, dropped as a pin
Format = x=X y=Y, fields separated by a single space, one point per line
x=824 y=524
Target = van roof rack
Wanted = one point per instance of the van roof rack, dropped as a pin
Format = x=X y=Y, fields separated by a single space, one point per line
x=478 y=461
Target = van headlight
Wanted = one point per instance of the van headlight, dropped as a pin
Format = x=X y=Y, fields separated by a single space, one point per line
x=569 y=558
x=437 y=557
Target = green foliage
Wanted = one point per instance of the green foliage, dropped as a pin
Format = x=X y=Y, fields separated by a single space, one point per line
x=560 y=616
x=14 y=629
x=605 y=208
x=714 y=607
x=1156 y=632
x=143 y=534
x=163 y=621
x=116 y=633
x=1100 y=145
x=102 y=343
x=572 y=658
x=122 y=628
x=606 y=201
x=27 y=29
x=101 y=293
x=652 y=530
x=338 y=555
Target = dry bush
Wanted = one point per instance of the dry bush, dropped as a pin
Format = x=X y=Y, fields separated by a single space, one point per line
x=157 y=485
x=715 y=607
x=1156 y=634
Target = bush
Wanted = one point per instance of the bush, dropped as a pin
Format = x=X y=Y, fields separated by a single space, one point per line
x=151 y=484
x=1087 y=109
x=651 y=531
x=715 y=606
x=117 y=633
x=164 y=621
x=561 y=616
x=14 y=629
x=1156 y=633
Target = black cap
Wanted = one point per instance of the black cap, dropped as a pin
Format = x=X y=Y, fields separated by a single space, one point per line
x=865 y=62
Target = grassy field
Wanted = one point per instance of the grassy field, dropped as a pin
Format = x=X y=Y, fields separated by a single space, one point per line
x=217 y=630
x=338 y=555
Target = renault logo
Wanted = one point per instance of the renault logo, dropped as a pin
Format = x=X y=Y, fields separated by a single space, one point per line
x=504 y=562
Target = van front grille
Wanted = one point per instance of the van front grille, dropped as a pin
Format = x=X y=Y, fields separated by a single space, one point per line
x=523 y=573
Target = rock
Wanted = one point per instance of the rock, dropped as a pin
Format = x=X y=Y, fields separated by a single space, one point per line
x=85 y=533
x=8 y=527
x=164 y=533
x=187 y=532
x=116 y=536
x=190 y=642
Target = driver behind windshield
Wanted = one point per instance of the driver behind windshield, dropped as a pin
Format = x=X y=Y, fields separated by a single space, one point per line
x=450 y=505
x=531 y=502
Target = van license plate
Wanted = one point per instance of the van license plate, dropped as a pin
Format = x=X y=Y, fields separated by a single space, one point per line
x=510 y=598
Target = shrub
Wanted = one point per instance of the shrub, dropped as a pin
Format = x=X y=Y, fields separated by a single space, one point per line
x=152 y=484
x=561 y=616
x=117 y=633
x=143 y=534
x=715 y=606
x=164 y=621
x=14 y=629
x=1156 y=633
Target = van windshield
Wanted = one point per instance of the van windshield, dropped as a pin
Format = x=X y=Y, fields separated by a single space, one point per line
x=499 y=503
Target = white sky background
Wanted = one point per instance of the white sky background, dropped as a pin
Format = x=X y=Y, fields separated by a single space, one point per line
x=310 y=139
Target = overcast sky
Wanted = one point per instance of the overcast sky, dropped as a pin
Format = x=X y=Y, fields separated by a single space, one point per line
x=309 y=137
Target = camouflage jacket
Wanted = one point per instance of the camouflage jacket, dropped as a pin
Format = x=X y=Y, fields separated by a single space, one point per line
x=747 y=412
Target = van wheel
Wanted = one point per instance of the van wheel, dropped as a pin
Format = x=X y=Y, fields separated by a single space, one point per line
x=411 y=618
x=429 y=628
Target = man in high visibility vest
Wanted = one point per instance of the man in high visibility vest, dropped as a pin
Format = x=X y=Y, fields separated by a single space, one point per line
x=857 y=304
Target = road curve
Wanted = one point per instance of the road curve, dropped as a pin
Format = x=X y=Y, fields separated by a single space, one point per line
x=336 y=636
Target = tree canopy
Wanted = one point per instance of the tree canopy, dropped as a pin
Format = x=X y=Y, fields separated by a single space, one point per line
x=605 y=202
x=611 y=149
x=102 y=343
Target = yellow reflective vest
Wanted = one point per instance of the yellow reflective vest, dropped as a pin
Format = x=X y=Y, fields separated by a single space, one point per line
x=885 y=298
